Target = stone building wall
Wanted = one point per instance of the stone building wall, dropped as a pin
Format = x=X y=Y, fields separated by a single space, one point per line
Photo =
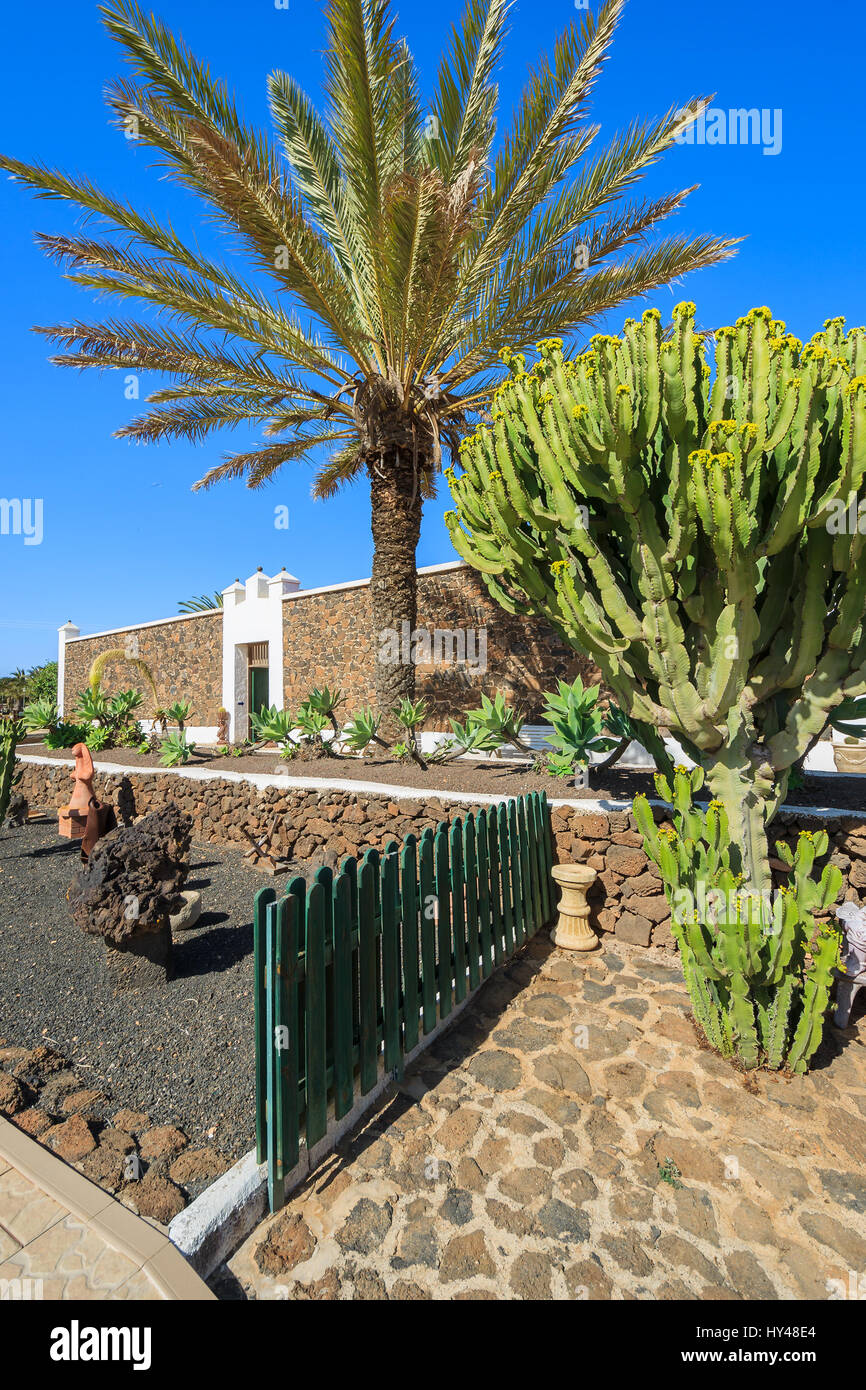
x=184 y=656
x=315 y=827
x=327 y=641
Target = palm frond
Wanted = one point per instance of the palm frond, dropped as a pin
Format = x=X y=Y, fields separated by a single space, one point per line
x=376 y=267
x=464 y=103
x=258 y=465
x=203 y=603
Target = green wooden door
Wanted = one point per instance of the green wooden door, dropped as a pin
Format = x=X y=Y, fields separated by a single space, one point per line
x=258 y=689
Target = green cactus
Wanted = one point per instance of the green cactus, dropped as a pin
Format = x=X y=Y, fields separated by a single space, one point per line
x=11 y=734
x=688 y=527
x=681 y=526
x=758 y=968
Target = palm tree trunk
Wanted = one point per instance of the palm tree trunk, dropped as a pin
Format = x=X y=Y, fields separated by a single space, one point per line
x=395 y=498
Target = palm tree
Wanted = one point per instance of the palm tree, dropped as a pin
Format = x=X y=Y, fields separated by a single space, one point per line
x=393 y=254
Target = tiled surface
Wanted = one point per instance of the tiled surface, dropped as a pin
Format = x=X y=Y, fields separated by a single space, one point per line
x=58 y=1228
x=25 y=1211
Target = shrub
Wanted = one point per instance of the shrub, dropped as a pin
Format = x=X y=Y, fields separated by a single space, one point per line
x=175 y=750
x=759 y=967
x=577 y=723
x=40 y=714
x=273 y=726
x=499 y=721
x=65 y=735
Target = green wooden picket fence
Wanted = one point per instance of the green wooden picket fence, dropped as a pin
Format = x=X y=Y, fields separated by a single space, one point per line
x=355 y=969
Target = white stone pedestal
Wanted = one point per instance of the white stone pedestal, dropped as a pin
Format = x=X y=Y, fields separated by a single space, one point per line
x=572 y=930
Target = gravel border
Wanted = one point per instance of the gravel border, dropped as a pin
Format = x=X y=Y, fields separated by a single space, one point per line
x=185 y=1053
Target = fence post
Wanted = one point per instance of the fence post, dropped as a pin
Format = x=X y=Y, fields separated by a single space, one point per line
x=516 y=875
x=428 y=930
x=390 y=888
x=470 y=870
x=483 y=894
x=409 y=922
x=367 y=972
x=260 y=1003
x=458 y=909
x=443 y=903
x=505 y=877
x=342 y=996
x=316 y=1017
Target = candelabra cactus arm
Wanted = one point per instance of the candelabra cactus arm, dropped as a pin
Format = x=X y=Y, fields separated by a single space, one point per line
x=757 y=969
x=825 y=950
x=11 y=734
x=677 y=525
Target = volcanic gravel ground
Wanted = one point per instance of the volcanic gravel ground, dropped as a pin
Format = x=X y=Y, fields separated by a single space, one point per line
x=183 y=1053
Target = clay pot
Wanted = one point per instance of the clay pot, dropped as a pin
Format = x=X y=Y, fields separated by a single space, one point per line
x=850 y=757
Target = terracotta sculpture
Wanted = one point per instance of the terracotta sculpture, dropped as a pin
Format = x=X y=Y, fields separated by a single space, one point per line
x=85 y=818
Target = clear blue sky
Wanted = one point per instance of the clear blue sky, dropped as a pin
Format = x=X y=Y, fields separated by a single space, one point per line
x=124 y=537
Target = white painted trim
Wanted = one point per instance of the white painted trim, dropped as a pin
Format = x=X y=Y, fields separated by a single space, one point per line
x=137 y=627
x=362 y=583
x=63 y=636
x=284 y=782
x=298 y=593
x=219 y=1220
x=252 y=613
x=195 y=733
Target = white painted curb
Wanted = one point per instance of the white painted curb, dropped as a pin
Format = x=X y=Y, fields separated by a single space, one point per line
x=212 y=1227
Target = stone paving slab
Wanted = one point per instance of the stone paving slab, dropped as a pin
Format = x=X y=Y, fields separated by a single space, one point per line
x=570 y=1139
x=63 y=1237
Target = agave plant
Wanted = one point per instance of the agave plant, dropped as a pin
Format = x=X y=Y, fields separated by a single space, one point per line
x=362 y=731
x=577 y=722
x=273 y=726
x=409 y=716
x=402 y=250
x=312 y=725
x=499 y=720
x=123 y=705
x=844 y=719
x=40 y=714
x=464 y=738
x=175 y=749
x=327 y=702
x=92 y=706
x=179 y=713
